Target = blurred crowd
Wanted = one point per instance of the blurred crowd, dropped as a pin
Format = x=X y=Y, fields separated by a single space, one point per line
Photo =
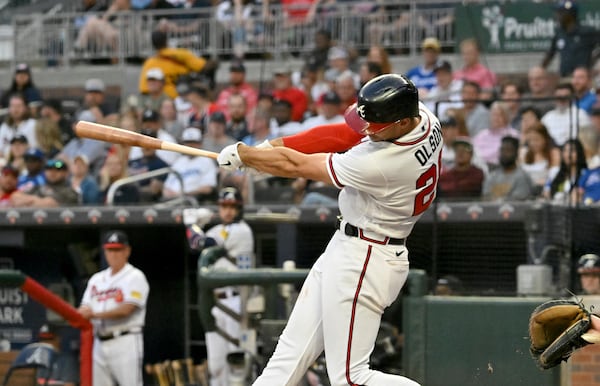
x=506 y=138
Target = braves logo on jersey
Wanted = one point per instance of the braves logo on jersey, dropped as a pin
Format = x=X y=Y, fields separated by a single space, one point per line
x=111 y=293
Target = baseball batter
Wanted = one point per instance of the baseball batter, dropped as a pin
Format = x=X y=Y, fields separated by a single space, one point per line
x=233 y=234
x=115 y=302
x=387 y=182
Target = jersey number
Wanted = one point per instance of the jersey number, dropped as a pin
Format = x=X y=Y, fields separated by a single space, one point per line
x=427 y=181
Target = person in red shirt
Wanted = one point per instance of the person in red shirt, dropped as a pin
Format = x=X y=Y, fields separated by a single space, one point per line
x=8 y=184
x=283 y=89
x=237 y=85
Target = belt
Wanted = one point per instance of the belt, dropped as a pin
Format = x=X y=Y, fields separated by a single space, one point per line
x=226 y=294
x=351 y=230
x=116 y=334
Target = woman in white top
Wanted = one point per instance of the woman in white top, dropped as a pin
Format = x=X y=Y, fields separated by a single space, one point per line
x=539 y=157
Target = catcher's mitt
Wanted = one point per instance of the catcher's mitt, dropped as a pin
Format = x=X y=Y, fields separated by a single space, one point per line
x=556 y=329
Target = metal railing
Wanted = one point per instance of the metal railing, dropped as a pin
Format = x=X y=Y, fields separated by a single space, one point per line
x=61 y=38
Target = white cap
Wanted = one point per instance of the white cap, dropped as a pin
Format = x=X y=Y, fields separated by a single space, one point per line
x=337 y=52
x=94 y=84
x=155 y=73
x=84 y=158
x=191 y=134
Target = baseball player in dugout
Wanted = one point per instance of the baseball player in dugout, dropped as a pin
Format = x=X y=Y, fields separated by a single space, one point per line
x=115 y=302
x=231 y=245
x=588 y=268
x=385 y=159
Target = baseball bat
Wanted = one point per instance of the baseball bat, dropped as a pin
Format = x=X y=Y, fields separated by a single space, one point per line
x=111 y=134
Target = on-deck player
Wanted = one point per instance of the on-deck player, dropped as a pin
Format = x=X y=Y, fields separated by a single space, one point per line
x=236 y=237
x=115 y=302
x=388 y=180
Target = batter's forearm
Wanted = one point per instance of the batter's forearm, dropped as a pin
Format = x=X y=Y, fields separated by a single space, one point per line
x=280 y=161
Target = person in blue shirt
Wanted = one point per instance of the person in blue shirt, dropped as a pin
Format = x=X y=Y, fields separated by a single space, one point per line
x=34 y=164
x=423 y=75
x=589 y=186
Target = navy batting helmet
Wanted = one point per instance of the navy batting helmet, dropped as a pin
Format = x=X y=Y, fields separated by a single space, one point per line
x=383 y=101
x=589 y=263
x=232 y=196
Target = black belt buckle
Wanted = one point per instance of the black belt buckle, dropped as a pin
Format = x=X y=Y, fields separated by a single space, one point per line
x=112 y=335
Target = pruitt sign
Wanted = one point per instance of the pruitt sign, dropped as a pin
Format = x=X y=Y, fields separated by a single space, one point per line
x=516 y=27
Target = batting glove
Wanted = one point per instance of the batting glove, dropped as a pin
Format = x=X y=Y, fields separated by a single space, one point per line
x=229 y=159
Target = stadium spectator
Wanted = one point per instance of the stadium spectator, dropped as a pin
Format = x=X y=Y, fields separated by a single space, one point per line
x=82 y=182
x=8 y=184
x=369 y=70
x=446 y=93
x=565 y=120
x=487 y=141
x=581 y=80
x=52 y=109
x=378 y=54
x=93 y=149
x=216 y=137
x=423 y=75
x=199 y=174
x=539 y=158
x=283 y=89
x=150 y=188
x=449 y=285
x=472 y=69
x=34 y=166
x=282 y=123
x=574 y=42
x=22 y=83
x=99 y=33
x=237 y=125
x=174 y=63
x=477 y=116
x=588 y=268
x=198 y=96
x=589 y=186
x=265 y=101
x=113 y=171
x=452 y=128
x=511 y=94
x=95 y=101
x=562 y=188
x=463 y=179
x=540 y=88
x=240 y=18
x=156 y=95
x=590 y=140
x=260 y=130
x=237 y=86
x=168 y=116
x=508 y=182
x=55 y=192
x=151 y=123
x=329 y=111
x=16 y=154
x=339 y=63
x=345 y=88
x=18 y=121
x=318 y=56
x=530 y=117
x=47 y=135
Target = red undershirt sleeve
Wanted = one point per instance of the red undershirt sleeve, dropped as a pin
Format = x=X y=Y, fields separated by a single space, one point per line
x=323 y=139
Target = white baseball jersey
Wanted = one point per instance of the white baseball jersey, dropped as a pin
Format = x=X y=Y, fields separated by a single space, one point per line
x=106 y=291
x=195 y=172
x=238 y=240
x=386 y=187
x=119 y=358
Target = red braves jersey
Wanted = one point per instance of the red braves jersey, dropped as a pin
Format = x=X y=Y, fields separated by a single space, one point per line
x=105 y=292
x=386 y=186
